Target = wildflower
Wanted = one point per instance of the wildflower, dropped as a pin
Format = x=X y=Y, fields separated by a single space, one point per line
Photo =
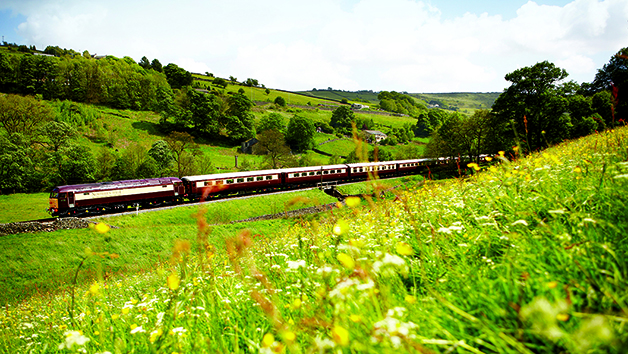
x=268 y=340
x=474 y=166
x=296 y=264
x=173 y=281
x=355 y=318
x=341 y=227
x=352 y=202
x=346 y=260
x=552 y=284
x=94 y=289
x=137 y=329
x=562 y=317
x=340 y=335
x=577 y=169
x=410 y=299
x=73 y=338
x=101 y=228
x=501 y=153
x=155 y=334
x=404 y=249
x=488 y=158
x=289 y=336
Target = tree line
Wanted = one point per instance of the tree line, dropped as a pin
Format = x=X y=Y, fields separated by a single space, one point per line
x=538 y=109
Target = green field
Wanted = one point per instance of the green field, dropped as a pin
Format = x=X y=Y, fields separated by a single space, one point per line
x=524 y=255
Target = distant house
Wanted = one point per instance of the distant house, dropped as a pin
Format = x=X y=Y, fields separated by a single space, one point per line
x=359 y=106
x=247 y=146
x=43 y=54
x=375 y=135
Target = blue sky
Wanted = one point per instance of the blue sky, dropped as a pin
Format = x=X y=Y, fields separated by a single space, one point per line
x=402 y=45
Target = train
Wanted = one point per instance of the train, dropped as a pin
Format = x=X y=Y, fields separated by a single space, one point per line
x=104 y=197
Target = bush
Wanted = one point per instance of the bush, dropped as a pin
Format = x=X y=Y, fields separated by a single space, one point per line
x=280 y=101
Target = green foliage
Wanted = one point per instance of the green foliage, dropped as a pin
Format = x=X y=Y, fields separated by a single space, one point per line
x=271 y=121
x=280 y=101
x=23 y=115
x=177 y=77
x=613 y=77
x=300 y=133
x=16 y=165
x=343 y=119
x=161 y=154
x=399 y=103
x=533 y=102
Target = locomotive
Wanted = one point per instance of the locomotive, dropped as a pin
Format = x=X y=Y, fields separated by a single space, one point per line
x=97 y=198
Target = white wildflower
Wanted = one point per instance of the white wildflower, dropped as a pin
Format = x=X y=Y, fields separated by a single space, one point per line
x=73 y=338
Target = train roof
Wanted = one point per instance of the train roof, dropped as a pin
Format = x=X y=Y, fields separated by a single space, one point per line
x=116 y=184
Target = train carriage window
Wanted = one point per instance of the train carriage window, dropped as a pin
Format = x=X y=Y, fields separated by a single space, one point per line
x=318 y=173
x=208 y=183
x=325 y=172
x=250 y=179
x=86 y=193
x=312 y=173
x=303 y=174
x=229 y=181
x=260 y=178
x=240 y=180
x=269 y=177
x=219 y=182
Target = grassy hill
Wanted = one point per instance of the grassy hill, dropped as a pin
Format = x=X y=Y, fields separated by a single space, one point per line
x=525 y=255
x=465 y=102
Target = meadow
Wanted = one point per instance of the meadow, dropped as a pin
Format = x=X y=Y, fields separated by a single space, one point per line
x=524 y=255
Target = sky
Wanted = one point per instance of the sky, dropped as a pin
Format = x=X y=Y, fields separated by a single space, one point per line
x=400 y=45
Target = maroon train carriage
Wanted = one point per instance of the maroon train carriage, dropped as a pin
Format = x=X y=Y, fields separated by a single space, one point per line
x=364 y=169
x=207 y=186
x=412 y=166
x=104 y=196
x=304 y=176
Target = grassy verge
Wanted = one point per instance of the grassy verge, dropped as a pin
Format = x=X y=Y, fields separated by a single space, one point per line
x=524 y=256
x=22 y=207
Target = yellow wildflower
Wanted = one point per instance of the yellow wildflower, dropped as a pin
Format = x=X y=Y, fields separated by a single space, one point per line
x=94 y=289
x=346 y=260
x=173 y=281
x=268 y=340
x=353 y=202
x=355 y=318
x=340 y=335
x=410 y=299
x=404 y=249
x=101 y=228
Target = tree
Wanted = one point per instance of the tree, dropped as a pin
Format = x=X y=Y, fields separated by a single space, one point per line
x=238 y=119
x=464 y=136
x=280 y=101
x=160 y=152
x=16 y=165
x=233 y=80
x=267 y=91
x=144 y=63
x=177 y=77
x=56 y=135
x=272 y=121
x=156 y=65
x=613 y=77
x=380 y=154
x=342 y=119
x=179 y=143
x=533 y=102
x=271 y=144
x=251 y=82
x=300 y=133
x=23 y=114
x=220 y=82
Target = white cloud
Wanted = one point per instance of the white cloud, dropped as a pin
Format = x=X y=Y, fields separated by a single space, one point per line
x=399 y=45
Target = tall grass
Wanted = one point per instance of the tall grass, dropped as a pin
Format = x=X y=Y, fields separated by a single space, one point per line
x=527 y=255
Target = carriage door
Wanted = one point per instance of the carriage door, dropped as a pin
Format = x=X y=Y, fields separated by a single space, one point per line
x=70 y=199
